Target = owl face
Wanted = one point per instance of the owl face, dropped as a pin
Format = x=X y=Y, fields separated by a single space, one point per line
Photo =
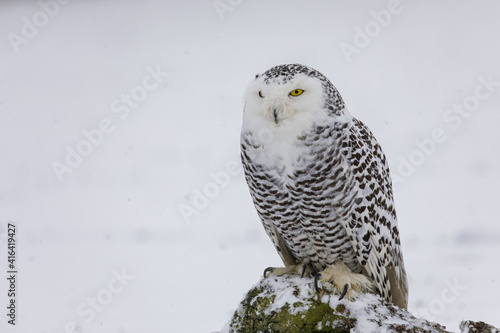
x=283 y=103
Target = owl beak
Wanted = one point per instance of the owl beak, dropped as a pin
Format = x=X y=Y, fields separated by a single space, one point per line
x=275 y=114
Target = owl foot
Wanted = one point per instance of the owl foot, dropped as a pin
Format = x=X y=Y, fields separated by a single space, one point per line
x=340 y=278
x=300 y=269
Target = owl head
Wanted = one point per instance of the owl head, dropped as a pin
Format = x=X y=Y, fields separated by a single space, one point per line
x=291 y=99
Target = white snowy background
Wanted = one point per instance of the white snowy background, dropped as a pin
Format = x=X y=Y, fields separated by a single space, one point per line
x=118 y=211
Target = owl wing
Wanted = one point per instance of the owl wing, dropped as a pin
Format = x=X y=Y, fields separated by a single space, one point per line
x=281 y=246
x=371 y=223
x=257 y=179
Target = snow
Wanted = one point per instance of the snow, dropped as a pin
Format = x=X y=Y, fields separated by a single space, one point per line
x=120 y=207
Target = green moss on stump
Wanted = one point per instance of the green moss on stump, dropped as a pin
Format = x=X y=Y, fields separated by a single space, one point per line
x=256 y=315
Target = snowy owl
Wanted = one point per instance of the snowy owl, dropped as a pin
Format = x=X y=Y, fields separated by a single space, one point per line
x=321 y=185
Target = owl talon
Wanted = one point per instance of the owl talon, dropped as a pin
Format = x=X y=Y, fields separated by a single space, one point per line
x=316 y=279
x=304 y=267
x=341 y=280
x=268 y=270
x=346 y=288
x=299 y=269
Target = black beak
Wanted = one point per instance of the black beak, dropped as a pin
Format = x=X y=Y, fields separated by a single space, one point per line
x=275 y=113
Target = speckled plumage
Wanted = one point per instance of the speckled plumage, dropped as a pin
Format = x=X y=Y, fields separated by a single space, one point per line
x=319 y=180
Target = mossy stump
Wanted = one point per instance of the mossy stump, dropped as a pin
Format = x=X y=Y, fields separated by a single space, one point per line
x=290 y=304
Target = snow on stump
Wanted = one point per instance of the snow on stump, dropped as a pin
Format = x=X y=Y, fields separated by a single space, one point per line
x=290 y=304
x=469 y=326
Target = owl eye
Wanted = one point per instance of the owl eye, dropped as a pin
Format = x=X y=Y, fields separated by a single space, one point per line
x=296 y=92
x=260 y=94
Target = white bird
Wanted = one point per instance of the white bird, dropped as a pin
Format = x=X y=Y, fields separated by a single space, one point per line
x=321 y=185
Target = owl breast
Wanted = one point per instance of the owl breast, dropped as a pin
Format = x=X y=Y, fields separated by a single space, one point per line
x=302 y=190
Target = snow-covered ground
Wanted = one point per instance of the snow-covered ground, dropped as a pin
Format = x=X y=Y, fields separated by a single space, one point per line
x=116 y=115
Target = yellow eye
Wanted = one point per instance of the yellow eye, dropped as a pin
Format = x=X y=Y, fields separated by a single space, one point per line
x=260 y=94
x=296 y=92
